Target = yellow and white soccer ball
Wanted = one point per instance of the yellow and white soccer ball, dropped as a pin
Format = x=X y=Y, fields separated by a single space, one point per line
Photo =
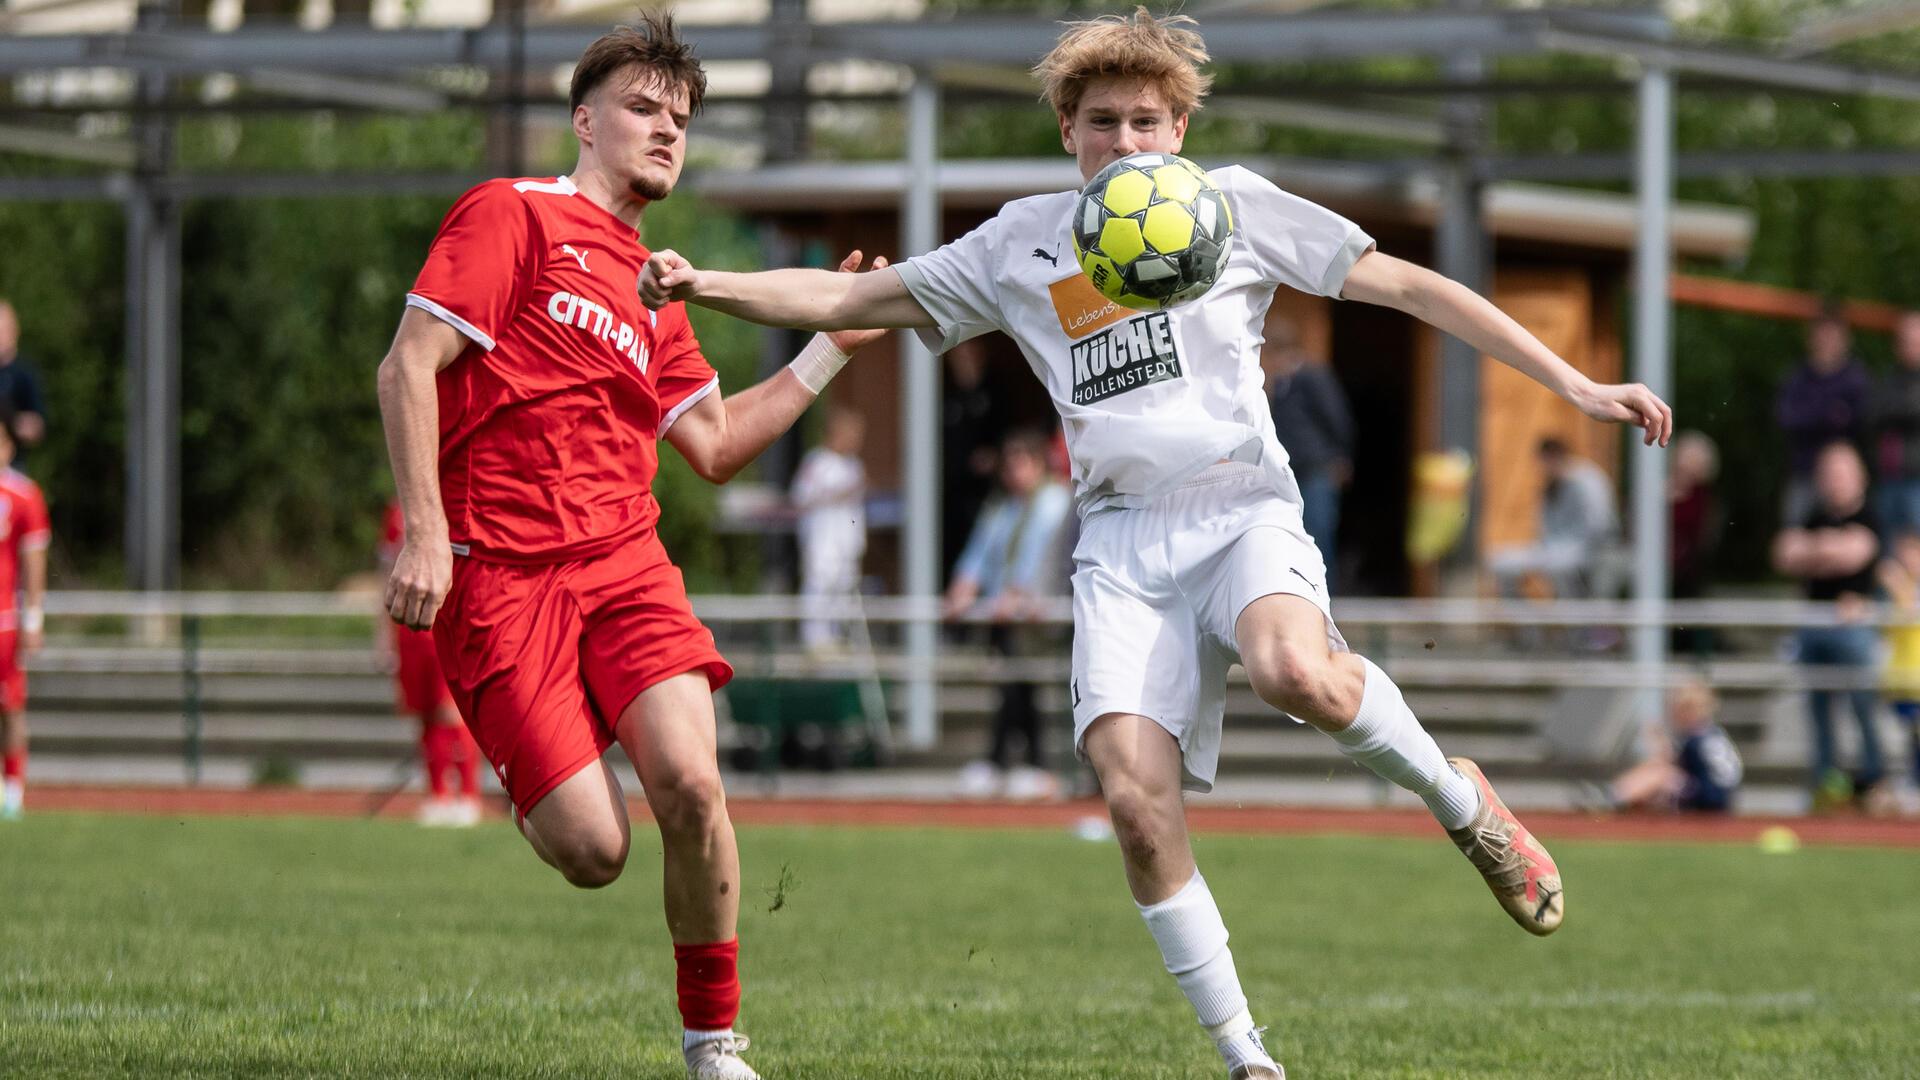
x=1151 y=231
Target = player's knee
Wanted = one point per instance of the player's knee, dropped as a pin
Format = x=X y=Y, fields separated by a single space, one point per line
x=592 y=864
x=1139 y=817
x=693 y=803
x=589 y=858
x=1287 y=677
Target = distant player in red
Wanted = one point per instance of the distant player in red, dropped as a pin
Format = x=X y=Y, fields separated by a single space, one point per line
x=421 y=691
x=24 y=535
x=524 y=398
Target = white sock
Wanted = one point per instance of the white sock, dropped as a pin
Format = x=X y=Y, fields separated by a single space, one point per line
x=1193 y=943
x=14 y=796
x=1239 y=1043
x=694 y=1038
x=1387 y=738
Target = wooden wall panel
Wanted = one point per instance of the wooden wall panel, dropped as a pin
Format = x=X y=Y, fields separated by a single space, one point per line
x=1557 y=305
x=1312 y=319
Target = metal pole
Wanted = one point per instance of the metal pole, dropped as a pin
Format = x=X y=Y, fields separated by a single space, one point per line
x=1652 y=365
x=153 y=345
x=920 y=390
x=1461 y=252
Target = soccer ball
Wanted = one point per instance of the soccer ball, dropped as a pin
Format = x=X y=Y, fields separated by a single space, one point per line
x=1151 y=231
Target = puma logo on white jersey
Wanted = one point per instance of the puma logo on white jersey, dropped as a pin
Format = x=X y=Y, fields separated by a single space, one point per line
x=578 y=256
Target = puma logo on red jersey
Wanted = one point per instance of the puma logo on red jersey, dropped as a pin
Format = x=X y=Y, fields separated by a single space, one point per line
x=579 y=256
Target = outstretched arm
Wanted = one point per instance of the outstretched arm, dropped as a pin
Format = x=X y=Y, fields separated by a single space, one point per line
x=719 y=436
x=1450 y=306
x=798 y=298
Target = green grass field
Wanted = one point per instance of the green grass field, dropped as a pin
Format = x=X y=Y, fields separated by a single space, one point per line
x=151 y=946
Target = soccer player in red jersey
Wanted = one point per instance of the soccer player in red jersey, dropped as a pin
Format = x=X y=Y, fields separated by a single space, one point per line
x=24 y=535
x=421 y=691
x=524 y=397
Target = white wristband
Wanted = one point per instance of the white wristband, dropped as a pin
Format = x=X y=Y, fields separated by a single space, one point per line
x=818 y=363
x=33 y=620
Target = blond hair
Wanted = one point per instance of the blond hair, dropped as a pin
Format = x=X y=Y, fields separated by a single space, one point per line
x=1162 y=52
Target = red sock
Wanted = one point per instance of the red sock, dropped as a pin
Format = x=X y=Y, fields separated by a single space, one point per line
x=709 y=983
x=436 y=751
x=467 y=758
x=15 y=765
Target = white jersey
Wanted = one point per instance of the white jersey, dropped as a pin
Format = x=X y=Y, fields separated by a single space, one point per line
x=829 y=490
x=1148 y=399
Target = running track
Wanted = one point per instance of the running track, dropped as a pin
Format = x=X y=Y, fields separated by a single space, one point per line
x=1838 y=830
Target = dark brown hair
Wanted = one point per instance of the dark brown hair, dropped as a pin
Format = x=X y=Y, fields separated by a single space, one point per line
x=654 y=46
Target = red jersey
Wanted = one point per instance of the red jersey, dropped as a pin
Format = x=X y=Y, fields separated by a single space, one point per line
x=23 y=527
x=550 y=420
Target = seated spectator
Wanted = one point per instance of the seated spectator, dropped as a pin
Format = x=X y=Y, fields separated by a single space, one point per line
x=1833 y=552
x=1694 y=529
x=1012 y=560
x=1693 y=766
x=1577 y=524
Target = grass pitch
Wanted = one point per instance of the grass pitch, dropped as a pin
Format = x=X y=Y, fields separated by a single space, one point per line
x=140 y=946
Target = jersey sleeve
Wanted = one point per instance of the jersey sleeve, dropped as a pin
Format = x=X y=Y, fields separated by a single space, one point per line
x=36 y=528
x=1294 y=242
x=684 y=376
x=482 y=264
x=958 y=284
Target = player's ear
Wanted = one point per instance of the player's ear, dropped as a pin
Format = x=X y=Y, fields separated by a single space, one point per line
x=1066 y=133
x=583 y=123
x=1180 y=130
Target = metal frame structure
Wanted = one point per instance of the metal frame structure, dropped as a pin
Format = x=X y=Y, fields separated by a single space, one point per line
x=294 y=69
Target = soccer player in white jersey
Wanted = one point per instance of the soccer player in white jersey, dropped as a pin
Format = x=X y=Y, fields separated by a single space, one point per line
x=1192 y=554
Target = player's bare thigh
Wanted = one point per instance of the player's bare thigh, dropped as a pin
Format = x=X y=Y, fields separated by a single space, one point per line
x=1283 y=645
x=1138 y=762
x=668 y=732
x=580 y=828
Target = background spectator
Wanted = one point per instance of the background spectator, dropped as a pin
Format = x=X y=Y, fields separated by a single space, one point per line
x=1694 y=528
x=1900 y=576
x=972 y=423
x=1896 y=434
x=20 y=385
x=1012 y=560
x=829 y=491
x=1578 y=521
x=1693 y=766
x=1313 y=421
x=1833 y=553
x=1823 y=401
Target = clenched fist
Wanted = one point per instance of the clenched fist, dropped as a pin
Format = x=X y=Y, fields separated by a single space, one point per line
x=667 y=277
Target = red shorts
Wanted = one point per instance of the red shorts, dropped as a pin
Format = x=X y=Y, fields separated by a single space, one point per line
x=542 y=660
x=13 y=676
x=423 y=690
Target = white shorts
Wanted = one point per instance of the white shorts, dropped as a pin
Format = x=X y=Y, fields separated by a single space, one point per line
x=1156 y=593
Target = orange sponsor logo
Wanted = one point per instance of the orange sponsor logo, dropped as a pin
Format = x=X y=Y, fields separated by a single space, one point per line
x=1081 y=308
